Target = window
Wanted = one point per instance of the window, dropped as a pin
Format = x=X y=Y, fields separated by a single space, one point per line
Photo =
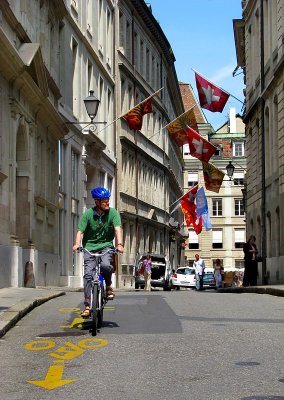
x=193 y=240
x=239 y=238
x=192 y=178
x=238 y=149
x=238 y=178
x=217 y=238
x=217 y=207
x=239 y=207
x=239 y=263
x=186 y=151
x=101 y=178
x=74 y=169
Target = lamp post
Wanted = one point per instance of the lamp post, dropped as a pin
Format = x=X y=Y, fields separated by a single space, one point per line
x=230 y=170
x=92 y=104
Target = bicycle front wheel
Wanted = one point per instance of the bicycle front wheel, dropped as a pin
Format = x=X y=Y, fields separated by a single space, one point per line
x=95 y=308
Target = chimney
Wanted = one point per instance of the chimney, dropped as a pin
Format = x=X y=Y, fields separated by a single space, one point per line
x=233 y=121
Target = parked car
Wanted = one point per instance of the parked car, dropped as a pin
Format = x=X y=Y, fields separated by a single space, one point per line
x=184 y=277
x=209 y=280
x=161 y=271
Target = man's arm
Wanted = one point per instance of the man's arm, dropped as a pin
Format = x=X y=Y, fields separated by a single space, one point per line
x=78 y=240
x=118 y=238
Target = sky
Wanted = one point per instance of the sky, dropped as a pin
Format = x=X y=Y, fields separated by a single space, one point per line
x=201 y=35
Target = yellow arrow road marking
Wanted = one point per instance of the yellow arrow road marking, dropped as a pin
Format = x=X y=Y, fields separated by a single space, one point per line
x=53 y=378
x=76 y=323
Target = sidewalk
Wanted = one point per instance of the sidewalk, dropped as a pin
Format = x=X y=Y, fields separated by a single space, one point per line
x=274 y=290
x=15 y=303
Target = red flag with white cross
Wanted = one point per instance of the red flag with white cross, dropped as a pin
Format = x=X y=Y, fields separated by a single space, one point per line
x=210 y=96
x=199 y=147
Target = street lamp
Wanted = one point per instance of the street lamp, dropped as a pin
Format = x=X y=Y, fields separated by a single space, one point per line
x=92 y=104
x=230 y=170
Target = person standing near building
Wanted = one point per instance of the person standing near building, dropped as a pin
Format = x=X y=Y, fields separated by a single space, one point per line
x=250 y=256
x=147 y=265
x=199 y=266
x=218 y=273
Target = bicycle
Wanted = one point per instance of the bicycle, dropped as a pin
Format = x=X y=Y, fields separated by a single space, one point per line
x=98 y=290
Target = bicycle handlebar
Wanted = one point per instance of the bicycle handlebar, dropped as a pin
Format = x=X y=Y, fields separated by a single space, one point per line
x=113 y=250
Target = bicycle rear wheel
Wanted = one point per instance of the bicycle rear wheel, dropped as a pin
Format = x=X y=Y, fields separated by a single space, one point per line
x=95 y=307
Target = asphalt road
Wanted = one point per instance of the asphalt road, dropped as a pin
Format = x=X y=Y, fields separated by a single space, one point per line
x=159 y=345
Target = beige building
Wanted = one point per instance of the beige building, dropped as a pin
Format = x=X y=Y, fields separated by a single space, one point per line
x=149 y=164
x=260 y=53
x=53 y=54
x=30 y=128
x=226 y=208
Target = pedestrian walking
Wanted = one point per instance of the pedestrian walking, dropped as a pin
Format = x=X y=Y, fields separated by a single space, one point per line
x=218 y=273
x=199 y=266
x=147 y=266
x=250 y=256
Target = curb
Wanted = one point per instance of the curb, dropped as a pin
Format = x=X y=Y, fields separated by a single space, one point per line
x=258 y=290
x=19 y=310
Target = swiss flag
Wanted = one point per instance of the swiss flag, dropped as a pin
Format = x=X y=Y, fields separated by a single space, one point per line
x=211 y=97
x=199 y=147
x=188 y=208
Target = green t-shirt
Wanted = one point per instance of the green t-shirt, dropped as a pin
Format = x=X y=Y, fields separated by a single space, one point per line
x=98 y=230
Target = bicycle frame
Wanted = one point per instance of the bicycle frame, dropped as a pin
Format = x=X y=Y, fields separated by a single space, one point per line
x=98 y=292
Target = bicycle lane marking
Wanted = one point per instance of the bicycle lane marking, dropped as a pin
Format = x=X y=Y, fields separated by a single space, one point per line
x=78 y=321
x=54 y=376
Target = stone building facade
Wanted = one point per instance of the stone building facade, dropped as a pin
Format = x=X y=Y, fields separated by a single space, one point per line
x=30 y=128
x=53 y=54
x=149 y=165
x=260 y=53
x=226 y=208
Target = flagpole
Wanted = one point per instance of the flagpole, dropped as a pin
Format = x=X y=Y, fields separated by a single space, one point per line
x=143 y=101
x=179 y=116
x=156 y=133
x=217 y=86
x=152 y=95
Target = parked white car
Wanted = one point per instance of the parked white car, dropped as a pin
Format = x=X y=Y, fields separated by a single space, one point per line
x=184 y=277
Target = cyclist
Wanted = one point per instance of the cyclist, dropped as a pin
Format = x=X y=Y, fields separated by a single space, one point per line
x=97 y=229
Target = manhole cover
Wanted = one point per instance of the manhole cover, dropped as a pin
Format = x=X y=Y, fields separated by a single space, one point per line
x=62 y=334
x=247 y=363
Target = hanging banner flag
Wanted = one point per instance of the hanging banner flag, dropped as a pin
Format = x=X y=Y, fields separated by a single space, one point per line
x=213 y=177
x=190 y=194
x=178 y=128
x=211 y=97
x=200 y=147
x=201 y=202
x=206 y=221
x=188 y=207
x=134 y=117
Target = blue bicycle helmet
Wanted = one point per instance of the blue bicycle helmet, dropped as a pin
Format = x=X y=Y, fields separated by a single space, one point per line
x=100 y=193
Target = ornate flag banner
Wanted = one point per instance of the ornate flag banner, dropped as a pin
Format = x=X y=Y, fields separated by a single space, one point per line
x=210 y=96
x=177 y=128
x=200 y=147
x=201 y=202
x=134 y=117
x=206 y=221
x=188 y=207
x=213 y=177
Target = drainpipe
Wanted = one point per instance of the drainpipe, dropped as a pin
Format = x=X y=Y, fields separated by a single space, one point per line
x=263 y=188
